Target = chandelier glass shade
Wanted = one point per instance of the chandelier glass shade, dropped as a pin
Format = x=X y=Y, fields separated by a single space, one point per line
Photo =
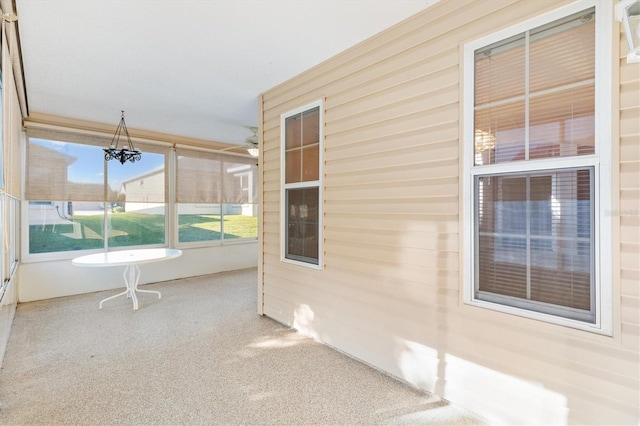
x=126 y=152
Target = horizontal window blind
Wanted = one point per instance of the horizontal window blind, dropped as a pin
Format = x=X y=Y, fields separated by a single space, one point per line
x=534 y=93
x=534 y=237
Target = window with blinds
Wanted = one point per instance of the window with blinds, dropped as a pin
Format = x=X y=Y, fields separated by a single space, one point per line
x=216 y=196
x=78 y=201
x=301 y=151
x=534 y=169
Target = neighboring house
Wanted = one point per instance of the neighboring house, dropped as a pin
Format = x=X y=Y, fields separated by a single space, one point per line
x=455 y=201
x=144 y=193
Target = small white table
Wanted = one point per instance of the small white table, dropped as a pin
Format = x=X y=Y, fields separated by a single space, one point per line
x=130 y=259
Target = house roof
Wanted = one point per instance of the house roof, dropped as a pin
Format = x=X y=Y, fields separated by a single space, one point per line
x=193 y=68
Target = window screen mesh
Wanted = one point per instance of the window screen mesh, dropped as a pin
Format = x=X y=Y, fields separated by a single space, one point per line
x=205 y=177
x=534 y=236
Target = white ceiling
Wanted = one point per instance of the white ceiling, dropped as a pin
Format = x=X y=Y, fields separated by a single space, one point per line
x=185 y=67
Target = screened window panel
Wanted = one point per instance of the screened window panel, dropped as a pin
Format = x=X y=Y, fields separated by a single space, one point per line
x=302 y=224
x=546 y=110
x=199 y=222
x=143 y=224
x=240 y=181
x=302 y=142
x=64 y=171
x=58 y=226
x=71 y=166
x=140 y=182
x=310 y=163
x=293 y=132
x=293 y=165
x=214 y=178
x=534 y=237
x=311 y=127
x=199 y=177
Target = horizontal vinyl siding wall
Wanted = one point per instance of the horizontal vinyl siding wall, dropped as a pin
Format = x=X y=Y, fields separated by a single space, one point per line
x=389 y=293
x=628 y=212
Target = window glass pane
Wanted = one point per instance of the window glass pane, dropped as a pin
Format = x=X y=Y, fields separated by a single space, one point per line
x=500 y=134
x=310 y=163
x=213 y=178
x=133 y=224
x=198 y=177
x=563 y=53
x=302 y=147
x=504 y=260
x=65 y=226
x=240 y=182
x=546 y=110
x=293 y=166
x=240 y=221
x=137 y=183
x=562 y=123
x=293 y=131
x=64 y=171
x=302 y=224
x=500 y=71
x=311 y=127
x=199 y=222
x=534 y=238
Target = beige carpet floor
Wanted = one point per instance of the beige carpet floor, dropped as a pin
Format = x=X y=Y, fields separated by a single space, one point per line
x=199 y=356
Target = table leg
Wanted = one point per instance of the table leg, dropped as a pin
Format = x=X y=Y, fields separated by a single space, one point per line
x=131 y=277
x=113 y=297
x=135 y=284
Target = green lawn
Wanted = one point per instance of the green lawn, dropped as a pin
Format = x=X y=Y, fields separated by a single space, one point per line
x=131 y=229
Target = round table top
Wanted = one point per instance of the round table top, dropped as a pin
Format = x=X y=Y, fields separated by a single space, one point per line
x=126 y=257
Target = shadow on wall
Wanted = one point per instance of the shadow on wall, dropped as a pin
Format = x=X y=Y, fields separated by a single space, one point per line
x=502 y=398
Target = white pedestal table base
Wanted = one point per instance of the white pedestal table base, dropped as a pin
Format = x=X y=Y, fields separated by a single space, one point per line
x=131 y=277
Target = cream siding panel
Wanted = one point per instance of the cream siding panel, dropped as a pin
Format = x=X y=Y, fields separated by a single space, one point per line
x=629 y=207
x=389 y=291
x=629 y=123
x=629 y=282
x=630 y=229
x=410 y=225
x=408 y=139
x=630 y=148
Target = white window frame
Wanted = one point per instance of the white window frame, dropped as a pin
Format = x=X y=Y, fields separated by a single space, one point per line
x=600 y=161
x=299 y=185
